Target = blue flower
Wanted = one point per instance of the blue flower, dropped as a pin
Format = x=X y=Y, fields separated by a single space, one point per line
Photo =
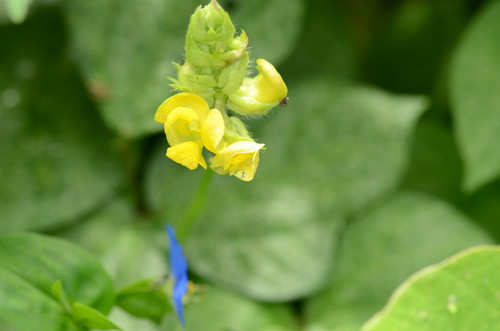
x=178 y=269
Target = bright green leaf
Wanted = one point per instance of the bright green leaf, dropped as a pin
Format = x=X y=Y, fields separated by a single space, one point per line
x=125 y=48
x=59 y=161
x=17 y=9
x=30 y=265
x=475 y=97
x=333 y=150
x=383 y=247
x=91 y=318
x=460 y=294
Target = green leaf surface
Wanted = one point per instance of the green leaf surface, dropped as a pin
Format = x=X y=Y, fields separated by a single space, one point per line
x=215 y=310
x=17 y=10
x=29 y=266
x=265 y=237
x=475 y=98
x=91 y=318
x=125 y=48
x=461 y=293
x=383 y=247
x=58 y=159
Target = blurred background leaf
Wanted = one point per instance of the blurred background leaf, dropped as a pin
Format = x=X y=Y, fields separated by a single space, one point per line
x=475 y=97
x=460 y=293
x=58 y=160
x=30 y=264
x=380 y=249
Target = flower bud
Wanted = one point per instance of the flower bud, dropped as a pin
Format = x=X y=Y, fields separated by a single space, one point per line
x=211 y=24
x=260 y=94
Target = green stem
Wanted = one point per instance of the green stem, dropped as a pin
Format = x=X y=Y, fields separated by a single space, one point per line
x=195 y=207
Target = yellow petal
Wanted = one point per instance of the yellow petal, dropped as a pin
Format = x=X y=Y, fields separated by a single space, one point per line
x=188 y=154
x=186 y=100
x=212 y=131
x=182 y=125
x=240 y=159
x=270 y=86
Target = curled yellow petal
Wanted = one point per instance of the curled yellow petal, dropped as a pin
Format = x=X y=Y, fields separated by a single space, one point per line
x=188 y=154
x=185 y=100
x=240 y=159
x=269 y=84
x=212 y=131
x=260 y=94
x=182 y=125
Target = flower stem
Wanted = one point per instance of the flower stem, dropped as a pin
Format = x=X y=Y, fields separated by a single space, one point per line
x=195 y=207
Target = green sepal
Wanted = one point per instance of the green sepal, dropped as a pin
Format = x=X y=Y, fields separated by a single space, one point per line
x=149 y=298
x=211 y=24
x=239 y=102
x=232 y=76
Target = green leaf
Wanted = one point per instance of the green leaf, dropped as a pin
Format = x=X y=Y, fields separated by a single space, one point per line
x=128 y=247
x=216 y=310
x=131 y=84
x=91 y=318
x=435 y=166
x=17 y=9
x=280 y=229
x=59 y=161
x=475 y=97
x=147 y=298
x=30 y=264
x=459 y=294
x=383 y=247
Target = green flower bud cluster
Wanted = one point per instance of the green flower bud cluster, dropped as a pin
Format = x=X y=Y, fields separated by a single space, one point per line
x=216 y=59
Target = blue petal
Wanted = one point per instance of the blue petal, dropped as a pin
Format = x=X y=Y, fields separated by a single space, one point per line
x=178 y=268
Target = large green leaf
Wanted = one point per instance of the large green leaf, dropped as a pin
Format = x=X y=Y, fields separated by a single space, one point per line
x=57 y=157
x=125 y=48
x=335 y=149
x=380 y=249
x=29 y=266
x=215 y=310
x=475 y=97
x=459 y=294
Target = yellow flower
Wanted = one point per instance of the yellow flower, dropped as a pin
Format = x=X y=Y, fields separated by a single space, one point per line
x=239 y=159
x=183 y=116
x=260 y=94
